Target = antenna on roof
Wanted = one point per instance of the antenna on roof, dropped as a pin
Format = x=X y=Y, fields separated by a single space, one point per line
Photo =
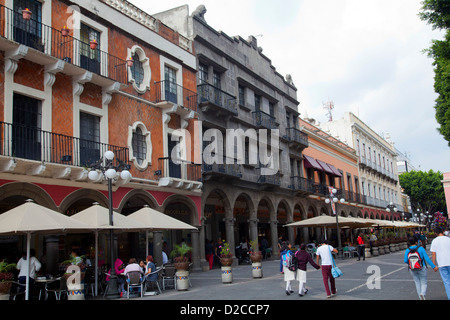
x=329 y=106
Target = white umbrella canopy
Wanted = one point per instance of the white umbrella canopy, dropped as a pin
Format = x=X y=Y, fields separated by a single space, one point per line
x=154 y=220
x=97 y=217
x=151 y=219
x=30 y=218
x=324 y=221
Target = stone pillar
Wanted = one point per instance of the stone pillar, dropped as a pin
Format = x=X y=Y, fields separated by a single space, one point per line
x=253 y=223
x=204 y=265
x=290 y=233
x=274 y=238
x=52 y=253
x=196 y=266
x=229 y=229
x=157 y=248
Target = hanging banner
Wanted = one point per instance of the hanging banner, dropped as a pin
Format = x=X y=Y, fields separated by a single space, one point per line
x=333 y=205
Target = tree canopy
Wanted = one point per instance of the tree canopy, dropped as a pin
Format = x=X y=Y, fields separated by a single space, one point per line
x=437 y=14
x=425 y=190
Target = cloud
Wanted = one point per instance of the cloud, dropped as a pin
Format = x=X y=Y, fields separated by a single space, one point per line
x=365 y=55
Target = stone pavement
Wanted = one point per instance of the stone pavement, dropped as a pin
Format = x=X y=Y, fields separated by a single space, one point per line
x=384 y=277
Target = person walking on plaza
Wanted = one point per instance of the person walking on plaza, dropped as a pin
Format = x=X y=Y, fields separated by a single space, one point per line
x=440 y=250
x=324 y=252
x=419 y=275
x=288 y=274
x=361 y=247
x=303 y=258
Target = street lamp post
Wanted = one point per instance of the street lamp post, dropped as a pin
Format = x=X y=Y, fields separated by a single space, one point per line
x=391 y=207
x=109 y=171
x=333 y=199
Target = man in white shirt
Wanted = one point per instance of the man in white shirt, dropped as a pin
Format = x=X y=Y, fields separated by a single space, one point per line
x=35 y=266
x=324 y=253
x=440 y=250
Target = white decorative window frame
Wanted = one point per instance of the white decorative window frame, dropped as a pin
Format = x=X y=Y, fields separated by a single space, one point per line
x=148 y=140
x=145 y=85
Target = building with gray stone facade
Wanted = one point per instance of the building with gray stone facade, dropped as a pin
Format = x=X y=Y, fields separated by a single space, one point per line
x=243 y=98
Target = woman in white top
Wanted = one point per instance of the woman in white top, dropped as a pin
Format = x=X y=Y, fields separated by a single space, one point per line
x=288 y=274
x=35 y=266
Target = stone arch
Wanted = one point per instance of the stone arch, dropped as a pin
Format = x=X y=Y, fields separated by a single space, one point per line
x=85 y=197
x=22 y=191
x=135 y=200
x=193 y=217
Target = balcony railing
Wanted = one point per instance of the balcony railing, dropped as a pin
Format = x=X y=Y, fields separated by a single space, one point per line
x=229 y=170
x=302 y=184
x=180 y=169
x=51 y=41
x=295 y=135
x=210 y=94
x=264 y=120
x=18 y=141
x=172 y=92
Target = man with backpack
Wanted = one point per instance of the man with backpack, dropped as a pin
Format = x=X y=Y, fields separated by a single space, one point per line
x=417 y=259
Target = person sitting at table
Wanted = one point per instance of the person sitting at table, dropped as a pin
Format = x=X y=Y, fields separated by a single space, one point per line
x=120 y=280
x=149 y=269
x=132 y=266
x=35 y=266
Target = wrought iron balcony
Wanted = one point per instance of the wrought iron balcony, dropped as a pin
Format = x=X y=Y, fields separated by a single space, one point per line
x=210 y=96
x=180 y=169
x=264 y=120
x=222 y=171
x=297 y=137
x=48 y=40
x=22 y=142
x=167 y=91
x=302 y=184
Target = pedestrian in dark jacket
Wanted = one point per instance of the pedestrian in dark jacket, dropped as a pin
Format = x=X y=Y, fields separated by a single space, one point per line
x=303 y=258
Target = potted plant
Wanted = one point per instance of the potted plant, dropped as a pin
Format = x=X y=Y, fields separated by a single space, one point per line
x=181 y=263
x=178 y=254
x=26 y=14
x=6 y=278
x=256 y=257
x=65 y=31
x=93 y=44
x=75 y=271
x=226 y=259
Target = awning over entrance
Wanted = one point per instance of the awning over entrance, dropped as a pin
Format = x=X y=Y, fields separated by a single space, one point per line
x=311 y=163
x=325 y=167
x=336 y=171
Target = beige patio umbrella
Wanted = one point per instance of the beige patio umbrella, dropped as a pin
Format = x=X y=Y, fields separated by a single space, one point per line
x=97 y=217
x=328 y=221
x=30 y=218
x=151 y=219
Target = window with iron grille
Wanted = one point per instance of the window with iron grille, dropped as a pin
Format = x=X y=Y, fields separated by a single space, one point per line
x=139 y=146
x=137 y=70
x=202 y=73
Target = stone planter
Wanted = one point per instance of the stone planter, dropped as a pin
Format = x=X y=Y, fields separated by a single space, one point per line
x=75 y=291
x=257 y=270
x=367 y=253
x=227 y=274
x=182 y=280
x=386 y=249
x=375 y=251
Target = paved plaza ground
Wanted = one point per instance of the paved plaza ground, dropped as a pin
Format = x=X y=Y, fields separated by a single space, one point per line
x=384 y=277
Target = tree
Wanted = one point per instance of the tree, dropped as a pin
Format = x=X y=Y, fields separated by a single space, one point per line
x=437 y=14
x=425 y=190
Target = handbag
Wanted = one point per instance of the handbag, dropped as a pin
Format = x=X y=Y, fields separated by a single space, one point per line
x=335 y=271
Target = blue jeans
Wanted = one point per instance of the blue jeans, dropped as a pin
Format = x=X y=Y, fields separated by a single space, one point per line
x=420 y=279
x=445 y=275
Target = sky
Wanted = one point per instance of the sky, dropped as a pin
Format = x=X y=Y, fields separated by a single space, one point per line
x=366 y=56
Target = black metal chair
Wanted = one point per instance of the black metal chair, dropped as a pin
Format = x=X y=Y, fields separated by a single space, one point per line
x=168 y=276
